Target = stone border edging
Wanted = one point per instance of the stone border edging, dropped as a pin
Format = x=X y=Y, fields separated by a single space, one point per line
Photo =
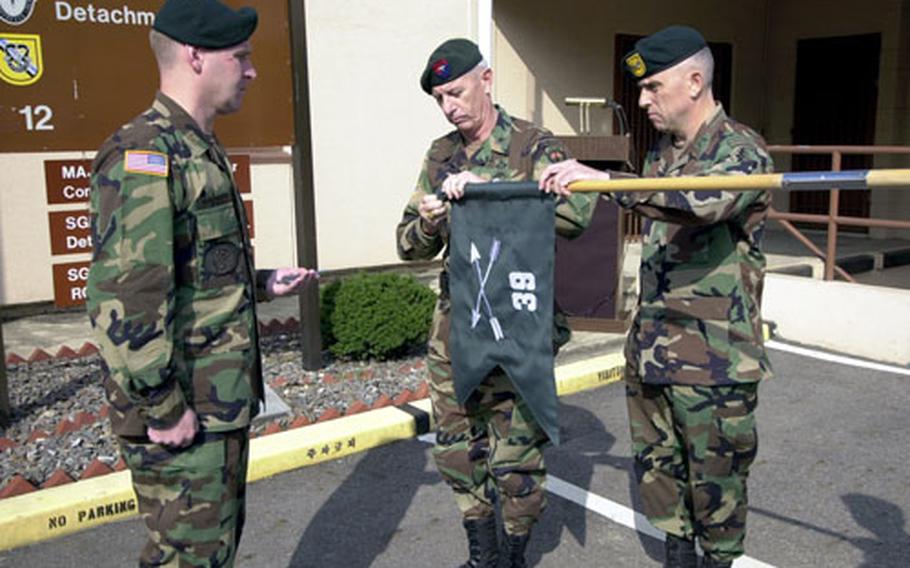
x=272 y=327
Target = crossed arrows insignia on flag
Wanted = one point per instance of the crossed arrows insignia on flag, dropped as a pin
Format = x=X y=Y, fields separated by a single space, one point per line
x=481 y=292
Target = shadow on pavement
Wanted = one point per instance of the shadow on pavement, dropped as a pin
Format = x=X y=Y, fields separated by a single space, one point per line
x=586 y=444
x=891 y=544
x=336 y=537
x=359 y=520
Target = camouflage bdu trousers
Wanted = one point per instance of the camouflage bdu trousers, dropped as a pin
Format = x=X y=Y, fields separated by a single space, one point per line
x=693 y=446
x=191 y=499
x=490 y=449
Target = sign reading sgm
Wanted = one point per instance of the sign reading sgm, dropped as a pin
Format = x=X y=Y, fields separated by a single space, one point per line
x=69 y=283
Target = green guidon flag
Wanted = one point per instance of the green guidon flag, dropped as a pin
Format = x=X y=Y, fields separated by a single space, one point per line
x=501 y=256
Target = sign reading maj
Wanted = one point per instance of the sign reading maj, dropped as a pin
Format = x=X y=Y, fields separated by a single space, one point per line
x=71 y=71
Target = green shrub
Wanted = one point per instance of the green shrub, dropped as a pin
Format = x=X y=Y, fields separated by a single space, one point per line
x=376 y=315
x=327 y=295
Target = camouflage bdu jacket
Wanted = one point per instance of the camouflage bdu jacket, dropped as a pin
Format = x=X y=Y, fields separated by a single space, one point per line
x=171 y=284
x=702 y=268
x=515 y=151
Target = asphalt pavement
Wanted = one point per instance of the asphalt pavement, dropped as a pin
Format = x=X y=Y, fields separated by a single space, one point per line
x=829 y=488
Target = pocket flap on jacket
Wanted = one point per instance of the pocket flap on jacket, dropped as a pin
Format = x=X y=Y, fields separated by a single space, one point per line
x=218 y=221
x=698 y=307
x=212 y=341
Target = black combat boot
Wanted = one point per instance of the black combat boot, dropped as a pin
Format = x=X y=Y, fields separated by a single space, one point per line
x=679 y=552
x=709 y=562
x=482 y=544
x=514 y=546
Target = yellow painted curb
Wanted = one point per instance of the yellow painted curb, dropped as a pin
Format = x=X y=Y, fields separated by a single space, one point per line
x=58 y=511
x=589 y=374
x=292 y=449
x=769 y=330
x=65 y=509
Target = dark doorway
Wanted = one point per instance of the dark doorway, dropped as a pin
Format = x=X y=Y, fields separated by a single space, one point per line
x=625 y=92
x=828 y=110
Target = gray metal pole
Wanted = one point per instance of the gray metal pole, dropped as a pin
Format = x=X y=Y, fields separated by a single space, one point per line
x=5 y=412
x=304 y=203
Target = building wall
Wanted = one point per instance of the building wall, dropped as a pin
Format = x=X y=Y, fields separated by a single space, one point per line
x=371 y=122
x=896 y=204
x=543 y=55
x=792 y=21
x=25 y=250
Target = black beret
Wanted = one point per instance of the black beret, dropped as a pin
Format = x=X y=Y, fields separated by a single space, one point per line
x=663 y=50
x=205 y=23
x=448 y=62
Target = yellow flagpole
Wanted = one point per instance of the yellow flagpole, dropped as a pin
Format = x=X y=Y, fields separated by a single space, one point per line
x=872 y=179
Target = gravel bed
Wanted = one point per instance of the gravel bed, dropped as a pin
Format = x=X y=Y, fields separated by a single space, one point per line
x=340 y=383
x=43 y=394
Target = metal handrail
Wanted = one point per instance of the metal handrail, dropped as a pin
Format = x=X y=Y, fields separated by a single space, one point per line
x=833 y=219
x=633 y=222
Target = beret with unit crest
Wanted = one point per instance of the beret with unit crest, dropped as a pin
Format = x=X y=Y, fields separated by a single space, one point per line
x=452 y=59
x=663 y=50
x=205 y=23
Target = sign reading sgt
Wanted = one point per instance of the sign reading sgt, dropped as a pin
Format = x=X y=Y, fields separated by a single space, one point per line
x=71 y=72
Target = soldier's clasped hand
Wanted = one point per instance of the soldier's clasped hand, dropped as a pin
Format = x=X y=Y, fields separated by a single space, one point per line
x=179 y=435
x=432 y=210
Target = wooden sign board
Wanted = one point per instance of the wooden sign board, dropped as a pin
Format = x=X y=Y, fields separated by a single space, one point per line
x=69 y=283
x=70 y=231
x=69 y=181
x=74 y=71
x=70 y=277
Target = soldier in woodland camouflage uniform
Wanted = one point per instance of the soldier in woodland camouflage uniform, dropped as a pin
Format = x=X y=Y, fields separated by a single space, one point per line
x=172 y=291
x=491 y=448
x=694 y=353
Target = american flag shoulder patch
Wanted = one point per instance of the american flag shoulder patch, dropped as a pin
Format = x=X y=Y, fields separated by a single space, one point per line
x=145 y=162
